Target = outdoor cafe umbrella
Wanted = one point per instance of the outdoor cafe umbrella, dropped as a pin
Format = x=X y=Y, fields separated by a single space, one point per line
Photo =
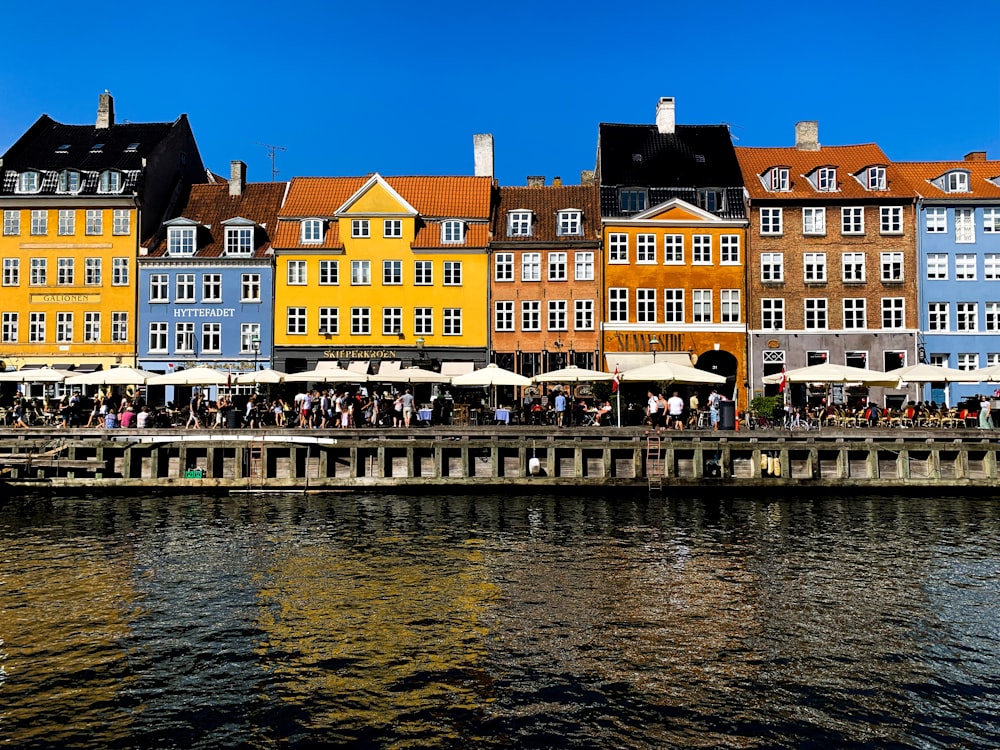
x=984 y=375
x=491 y=375
x=191 y=376
x=113 y=376
x=261 y=377
x=327 y=375
x=668 y=372
x=922 y=372
x=34 y=375
x=572 y=374
x=831 y=373
x=411 y=375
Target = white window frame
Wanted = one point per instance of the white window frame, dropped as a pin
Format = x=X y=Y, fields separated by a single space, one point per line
x=451 y=321
x=583 y=266
x=64 y=327
x=36 y=327
x=826 y=180
x=618 y=305
x=121 y=222
x=772 y=310
x=893 y=313
x=569 y=223
x=39 y=222
x=39 y=272
x=519 y=223
x=70 y=182
x=211 y=287
x=361 y=321
x=503 y=267
x=673 y=305
x=645 y=305
x=250 y=287
x=119 y=326
x=891 y=219
x=852 y=220
x=392 y=272
x=250 y=332
x=296 y=272
x=967 y=361
x=184 y=340
x=938 y=316
x=558 y=270
x=531 y=266
x=729 y=249
x=936 y=220
x=29 y=182
x=771 y=221
x=937 y=266
x=67 y=222
x=817 y=317
x=184 y=287
x=854 y=267
x=11 y=223
x=180 y=241
x=296 y=319
x=772 y=268
x=91 y=327
x=617 y=248
x=159 y=335
x=957 y=182
x=965 y=266
x=991 y=266
x=361 y=274
x=701 y=250
x=645 y=248
x=392 y=228
x=423 y=321
x=111 y=181
x=159 y=288
x=991 y=220
x=94 y=222
x=329 y=272
x=965 y=225
x=360 y=228
x=813 y=220
x=211 y=338
x=875 y=179
x=392 y=321
x=583 y=315
x=991 y=316
x=778 y=181
x=10 y=332
x=239 y=241
x=531 y=315
x=673 y=249
x=892 y=267
x=558 y=315
x=967 y=317
x=855 y=311
x=65 y=271
x=730 y=306
x=701 y=306
x=328 y=321
x=311 y=231
x=11 y=272
x=423 y=273
x=451 y=273
x=814 y=268
x=452 y=232
x=503 y=315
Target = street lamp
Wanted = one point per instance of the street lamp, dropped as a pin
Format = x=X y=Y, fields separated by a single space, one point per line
x=653 y=343
x=255 y=345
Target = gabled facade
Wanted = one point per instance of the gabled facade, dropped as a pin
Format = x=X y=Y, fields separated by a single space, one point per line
x=545 y=279
x=674 y=231
x=832 y=274
x=206 y=279
x=958 y=269
x=77 y=200
x=373 y=269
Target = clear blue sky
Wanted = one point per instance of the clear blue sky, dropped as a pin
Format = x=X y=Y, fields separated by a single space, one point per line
x=400 y=87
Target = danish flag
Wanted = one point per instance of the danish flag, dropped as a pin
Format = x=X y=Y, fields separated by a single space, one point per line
x=614 y=381
x=783 y=381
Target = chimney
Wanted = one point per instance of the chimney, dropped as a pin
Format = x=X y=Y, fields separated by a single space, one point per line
x=105 y=110
x=976 y=156
x=557 y=182
x=586 y=176
x=482 y=151
x=807 y=135
x=237 y=177
x=665 y=115
x=536 y=180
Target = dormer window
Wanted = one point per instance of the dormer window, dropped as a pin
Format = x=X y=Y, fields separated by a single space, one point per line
x=826 y=179
x=69 y=181
x=570 y=223
x=778 y=180
x=519 y=224
x=632 y=201
x=312 y=231
x=239 y=240
x=29 y=182
x=711 y=199
x=180 y=240
x=875 y=179
x=111 y=181
x=453 y=231
x=957 y=182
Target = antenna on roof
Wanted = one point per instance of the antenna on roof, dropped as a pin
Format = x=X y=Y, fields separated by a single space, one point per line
x=271 y=154
x=729 y=127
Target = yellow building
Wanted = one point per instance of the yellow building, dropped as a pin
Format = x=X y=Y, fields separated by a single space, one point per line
x=385 y=270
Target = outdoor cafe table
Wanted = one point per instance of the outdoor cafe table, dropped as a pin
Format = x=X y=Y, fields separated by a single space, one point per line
x=501 y=415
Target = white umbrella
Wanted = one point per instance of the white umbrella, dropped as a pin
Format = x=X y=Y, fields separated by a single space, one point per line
x=668 y=372
x=262 y=377
x=925 y=373
x=114 y=376
x=411 y=375
x=34 y=375
x=490 y=375
x=572 y=374
x=985 y=374
x=831 y=373
x=191 y=376
x=327 y=375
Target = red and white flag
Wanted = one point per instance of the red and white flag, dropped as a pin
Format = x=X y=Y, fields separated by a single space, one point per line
x=614 y=381
x=783 y=381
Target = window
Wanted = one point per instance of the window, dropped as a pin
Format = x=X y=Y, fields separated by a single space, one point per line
x=991 y=266
x=29 y=182
x=531 y=267
x=361 y=272
x=891 y=219
x=392 y=272
x=423 y=321
x=855 y=313
x=729 y=304
x=359 y=228
x=184 y=338
x=453 y=232
x=392 y=321
x=531 y=315
x=519 y=224
x=67 y=222
x=312 y=231
x=826 y=179
x=632 y=201
x=770 y=221
x=992 y=310
x=617 y=248
x=645 y=305
x=329 y=272
x=570 y=223
x=119 y=327
x=892 y=266
x=701 y=249
x=121 y=222
x=966 y=316
x=95 y=222
x=778 y=180
x=893 y=309
x=814 y=265
x=184 y=285
x=711 y=199
x=392 y=228
x=111 y=182
x=91 y=327
x=584 y=266
x=673 y=305
x=158 y=333
x=180 y=240
x=852 y=220
x=991 y=220
x=69 y=181
x=39 y=272
x=423 y=272
x=8 y=333
x=11 y=272
x=772 y=267
x=968 y=361
x=329 y=321
x=453 y=273
x=39 y=222
x=813 y=221
x=11 y=223
x=558 y=320
x=557 y=267
x=992 y=359
x=211 y=338
x=583 y=314
x=295 y=272
x=965 y=225
x=503 y=318
x=452 y=321
x=815 y=313
x=296 y=321
x=618 y=305
x=937 y=316
x=957 y=182
x=211 y=287
x=772 y=314
x=645 y=248
x=729 y=249
x=937 y=220
x=937 y=266
x=250 y=287
x=854 y=267
x=239 y=240
x=158 y=291
x=701 y=305
x=965 y=266
x=64 y=327
x=361 y=321
x=36 y=327
x=503 y=267
x=876 y=178
x=250 y=338
x=673 y=248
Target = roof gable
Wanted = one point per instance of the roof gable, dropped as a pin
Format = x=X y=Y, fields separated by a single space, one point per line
x=376 y=198
x=675 y=210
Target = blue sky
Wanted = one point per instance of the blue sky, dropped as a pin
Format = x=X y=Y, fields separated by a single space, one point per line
x=400 y=87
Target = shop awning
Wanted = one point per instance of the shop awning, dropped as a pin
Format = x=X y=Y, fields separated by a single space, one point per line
x=80 y=369
x=388 y=366
x=457 y=368
x=359 y=365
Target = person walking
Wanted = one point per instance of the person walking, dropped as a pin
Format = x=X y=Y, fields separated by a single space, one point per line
x=560 y=408
x=652 y=407
x=984 y=413
x=407 y=401
x=675 y=408
x=713 y=408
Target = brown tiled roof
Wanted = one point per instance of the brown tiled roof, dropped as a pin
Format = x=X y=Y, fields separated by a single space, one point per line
x=211 y=204
x=920 y=173
x=848 y=160
x=544 y=201
x=429 y=235
x=290 y=231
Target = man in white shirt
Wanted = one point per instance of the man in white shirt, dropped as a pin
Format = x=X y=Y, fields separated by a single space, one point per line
x=651 y=410
x=675 y=407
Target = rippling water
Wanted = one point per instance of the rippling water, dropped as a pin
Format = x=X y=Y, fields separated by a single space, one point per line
x=479 y=622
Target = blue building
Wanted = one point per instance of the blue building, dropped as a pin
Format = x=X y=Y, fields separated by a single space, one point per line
x=206 y=282
x=959 y=267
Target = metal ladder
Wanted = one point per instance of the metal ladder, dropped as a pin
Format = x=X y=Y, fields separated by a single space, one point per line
x=654 y=464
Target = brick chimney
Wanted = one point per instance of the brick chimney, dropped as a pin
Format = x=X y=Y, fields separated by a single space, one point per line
x=586 y=176
x=105 y=110
x=482 y=151
x=557 y=182
x=976 y=156
x=665 y=115
x=535 y=180
x=237 y=177
x=807 y=135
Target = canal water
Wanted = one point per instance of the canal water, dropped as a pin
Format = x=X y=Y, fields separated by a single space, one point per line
x=217 y=621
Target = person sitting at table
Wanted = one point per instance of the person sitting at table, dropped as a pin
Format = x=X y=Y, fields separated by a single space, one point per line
x=127 y=417
x=142 y=419
x=604 y=413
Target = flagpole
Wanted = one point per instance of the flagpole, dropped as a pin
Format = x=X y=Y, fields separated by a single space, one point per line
x=618 y=393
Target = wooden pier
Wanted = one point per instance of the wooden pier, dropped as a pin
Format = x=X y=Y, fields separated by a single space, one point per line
x=496 y=457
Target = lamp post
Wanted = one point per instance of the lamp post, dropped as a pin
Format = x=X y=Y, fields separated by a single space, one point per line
x=420 y=349
x=653 y=343
x=255 y=345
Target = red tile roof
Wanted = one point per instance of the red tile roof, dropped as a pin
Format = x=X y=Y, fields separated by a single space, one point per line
x=984 y=178
x=544 y=201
